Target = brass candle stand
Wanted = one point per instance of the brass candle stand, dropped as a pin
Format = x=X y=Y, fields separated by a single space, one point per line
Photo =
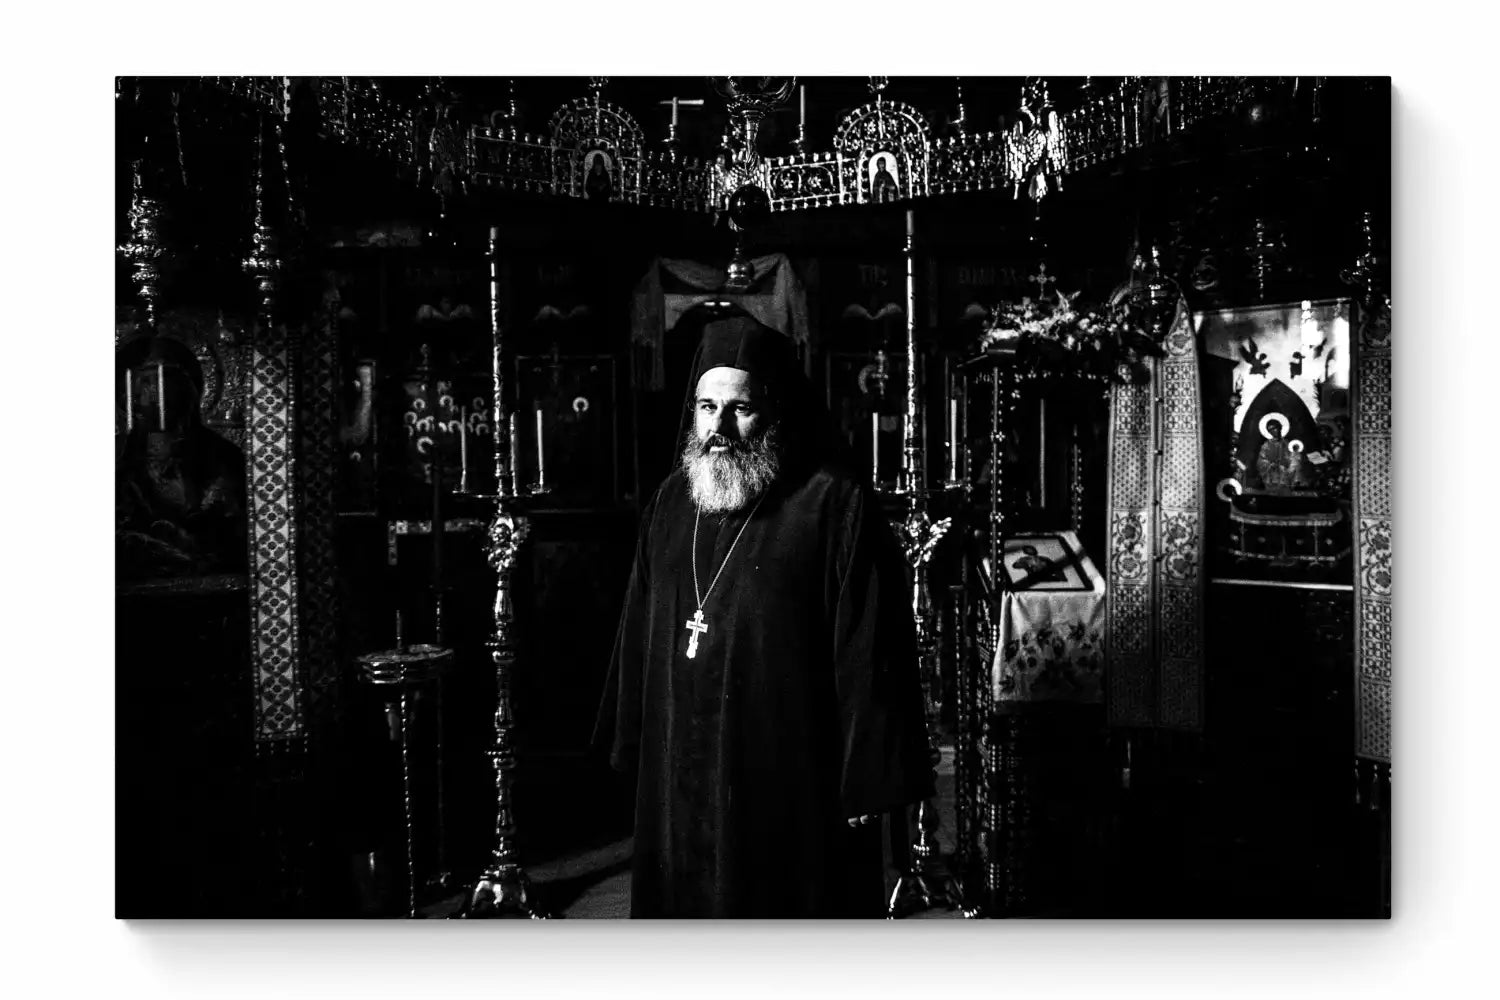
x=407 y=673
x=927 y=880
x=503 y=888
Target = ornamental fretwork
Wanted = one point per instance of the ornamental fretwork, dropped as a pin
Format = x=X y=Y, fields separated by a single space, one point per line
x=884 y=150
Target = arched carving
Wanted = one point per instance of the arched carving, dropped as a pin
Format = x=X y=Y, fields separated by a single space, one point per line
x=883 y=134
x=593 y=123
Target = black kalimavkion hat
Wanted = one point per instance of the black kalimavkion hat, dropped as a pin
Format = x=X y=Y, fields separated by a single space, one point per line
x=745 y=343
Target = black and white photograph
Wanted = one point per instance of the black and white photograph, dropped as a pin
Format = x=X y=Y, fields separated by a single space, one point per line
x=754 y=497
x=585 y=525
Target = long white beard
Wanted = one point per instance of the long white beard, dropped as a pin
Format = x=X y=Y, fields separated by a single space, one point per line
x=727 y=481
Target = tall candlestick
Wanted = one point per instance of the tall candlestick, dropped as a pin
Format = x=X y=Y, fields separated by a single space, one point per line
x=129 y=402
x=463 y=450
x=161 y=396
x=503 y=886
x=541 y=452
x=875 y=449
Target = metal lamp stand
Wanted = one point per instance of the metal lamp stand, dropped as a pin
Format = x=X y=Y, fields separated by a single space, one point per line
x=927 y=881
x=407 y=672
x=503 y=888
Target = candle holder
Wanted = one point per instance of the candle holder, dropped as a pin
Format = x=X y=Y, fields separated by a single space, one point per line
x=503 y=888
x=927 y=880
x=673 y=143
x=956 y=477
x=800 y=143
x=405 y=674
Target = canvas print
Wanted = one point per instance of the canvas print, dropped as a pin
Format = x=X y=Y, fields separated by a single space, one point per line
x=754 y=497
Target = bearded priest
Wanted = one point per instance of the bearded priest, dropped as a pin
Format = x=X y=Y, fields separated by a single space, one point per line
x=763 y=686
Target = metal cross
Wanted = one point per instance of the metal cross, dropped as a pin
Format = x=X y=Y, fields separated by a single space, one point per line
x=1043 y=279
x=697 y=626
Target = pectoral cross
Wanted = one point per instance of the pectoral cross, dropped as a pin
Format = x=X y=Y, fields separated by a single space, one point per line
x=697 y=626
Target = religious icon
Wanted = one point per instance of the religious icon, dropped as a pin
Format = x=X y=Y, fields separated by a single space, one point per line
x=598 y=183
x=180 y=487
x=357 y=437
x=1278 y=460
x=883 y=185
x=874 y=379
x=1205 y=276
x=357 y=426
x=1037 y=567
x=1285 y=500
x=1049 y=562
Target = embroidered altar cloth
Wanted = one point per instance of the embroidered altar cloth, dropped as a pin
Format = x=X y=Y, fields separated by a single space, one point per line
x=1052 y=622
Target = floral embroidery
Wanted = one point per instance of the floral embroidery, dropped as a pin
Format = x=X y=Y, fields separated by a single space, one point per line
x=1049 y=667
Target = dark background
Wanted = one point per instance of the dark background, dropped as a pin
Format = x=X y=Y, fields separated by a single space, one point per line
x=1262 y=800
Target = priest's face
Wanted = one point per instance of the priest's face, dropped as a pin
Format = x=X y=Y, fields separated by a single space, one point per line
x=732 y=454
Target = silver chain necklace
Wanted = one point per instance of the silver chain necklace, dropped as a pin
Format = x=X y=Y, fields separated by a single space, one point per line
x=698 y=625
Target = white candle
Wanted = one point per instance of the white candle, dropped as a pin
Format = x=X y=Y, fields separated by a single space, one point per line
x=1041 y=448
x=515 y=454
x=1310 y=334
x=541 y=451
x=903 y=472
x=875 y=448
x=463 y=448
x=129 y=402
x=161 y=396
x=953 y=439
x=802 y=107
x=674 y=115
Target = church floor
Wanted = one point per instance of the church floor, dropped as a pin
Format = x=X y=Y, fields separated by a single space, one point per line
x=596 y=883
x=1227 y=845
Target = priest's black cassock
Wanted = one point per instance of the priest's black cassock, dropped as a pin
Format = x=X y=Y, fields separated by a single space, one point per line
x=802 y=707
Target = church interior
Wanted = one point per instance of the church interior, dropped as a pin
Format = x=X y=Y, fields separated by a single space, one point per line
x=399 y=361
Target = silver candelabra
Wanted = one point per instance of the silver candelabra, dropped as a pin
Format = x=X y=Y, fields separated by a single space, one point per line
x=927 y=880
x=503 y=888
